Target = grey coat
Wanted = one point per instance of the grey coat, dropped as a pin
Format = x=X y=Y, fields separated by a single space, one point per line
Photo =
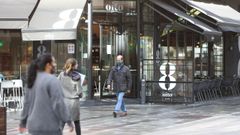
x=121 y=78
x=44 y=107
x=71 y=91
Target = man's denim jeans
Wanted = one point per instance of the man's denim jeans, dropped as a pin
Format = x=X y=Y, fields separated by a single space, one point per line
x=120 y=103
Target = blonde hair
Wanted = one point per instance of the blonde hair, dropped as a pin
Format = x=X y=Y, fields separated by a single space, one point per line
x=71 y=62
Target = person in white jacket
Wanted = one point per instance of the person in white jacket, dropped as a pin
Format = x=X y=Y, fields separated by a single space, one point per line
x=71 y=81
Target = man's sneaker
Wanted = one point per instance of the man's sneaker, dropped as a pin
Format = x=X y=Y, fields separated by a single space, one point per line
x=123 y=114
x=114 y=114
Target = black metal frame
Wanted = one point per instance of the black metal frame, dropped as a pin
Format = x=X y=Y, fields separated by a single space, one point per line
x=154 y=93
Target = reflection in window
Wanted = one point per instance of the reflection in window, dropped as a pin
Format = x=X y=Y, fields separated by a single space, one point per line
x=14 y=55
x=147 y=49
x=218 y=59
x=201 y=59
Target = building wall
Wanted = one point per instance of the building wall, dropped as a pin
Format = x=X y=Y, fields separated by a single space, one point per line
x=231 y=55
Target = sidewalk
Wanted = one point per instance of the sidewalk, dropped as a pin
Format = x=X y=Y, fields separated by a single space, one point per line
x=220 y=117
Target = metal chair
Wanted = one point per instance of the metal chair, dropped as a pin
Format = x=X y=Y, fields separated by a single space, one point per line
x=201 y=93
x=236 y=86
x=12 y=94
x=19 y=92
x=209 y=89
x=205 y=89
x=196 y=91
x=227 y=87
x=213 y=88
x=218 y=83
x=7 y=93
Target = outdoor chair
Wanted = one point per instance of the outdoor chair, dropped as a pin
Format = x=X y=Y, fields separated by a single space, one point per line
x=205 y=90
x=210 y=89
x=196 y=94
x=236 y=82
x=227 y=88
x=218 y=87
x=12 y=94
x=201 y=88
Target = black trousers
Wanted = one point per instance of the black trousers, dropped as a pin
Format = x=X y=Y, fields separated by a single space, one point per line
x=77 y=127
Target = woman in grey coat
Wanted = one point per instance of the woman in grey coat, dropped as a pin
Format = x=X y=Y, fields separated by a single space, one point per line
x=71 y=82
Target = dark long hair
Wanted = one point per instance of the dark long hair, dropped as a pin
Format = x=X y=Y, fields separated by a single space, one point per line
x=38 y=64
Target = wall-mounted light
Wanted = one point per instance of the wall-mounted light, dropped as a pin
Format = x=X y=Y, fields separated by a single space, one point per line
x=212 y=38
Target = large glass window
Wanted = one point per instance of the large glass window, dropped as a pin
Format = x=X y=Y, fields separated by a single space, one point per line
x=114 y=32
x=201 y=59
x=171 y=75
x=14 y=55
x=147 y=54
x=218 y=58
x=26 y=58
x=62 y=50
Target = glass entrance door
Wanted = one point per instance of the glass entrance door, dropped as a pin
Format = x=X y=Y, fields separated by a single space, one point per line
x=115 y=31
x=107 y=45
x=112 y=43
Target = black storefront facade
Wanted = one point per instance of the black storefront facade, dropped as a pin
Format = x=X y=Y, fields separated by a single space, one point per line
x=25 y=33
x=169 y=44
x=190 y=45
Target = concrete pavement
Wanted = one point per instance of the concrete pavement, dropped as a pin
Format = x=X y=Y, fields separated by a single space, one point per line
x=227 y=124
x=220 y=117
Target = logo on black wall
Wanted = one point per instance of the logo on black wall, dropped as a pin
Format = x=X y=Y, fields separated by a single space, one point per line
x=41 y=50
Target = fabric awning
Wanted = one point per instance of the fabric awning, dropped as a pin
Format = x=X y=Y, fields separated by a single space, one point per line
x=228 y=19
x=205 y=28
x=14 y=14
x=54 y=20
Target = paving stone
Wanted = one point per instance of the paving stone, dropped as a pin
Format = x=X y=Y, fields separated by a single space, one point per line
x=220 y=117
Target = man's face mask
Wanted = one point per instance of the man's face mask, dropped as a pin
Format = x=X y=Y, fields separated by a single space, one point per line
x=119 y=62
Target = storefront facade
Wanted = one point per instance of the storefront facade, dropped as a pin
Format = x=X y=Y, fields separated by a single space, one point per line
x=187 y=45
x=16 y=55
x=114 y=32
x=25 y=33
x=170 y=51
x=169 y=44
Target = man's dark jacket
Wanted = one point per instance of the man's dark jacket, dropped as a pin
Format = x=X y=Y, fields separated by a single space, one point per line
x=121 y=78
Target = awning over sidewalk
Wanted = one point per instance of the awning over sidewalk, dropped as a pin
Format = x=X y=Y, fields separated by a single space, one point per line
x=205 y=28
x=227 y=18
x=14 y=14
x=54 y=20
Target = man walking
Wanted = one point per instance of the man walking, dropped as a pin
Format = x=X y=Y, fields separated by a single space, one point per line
x=122 y=83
